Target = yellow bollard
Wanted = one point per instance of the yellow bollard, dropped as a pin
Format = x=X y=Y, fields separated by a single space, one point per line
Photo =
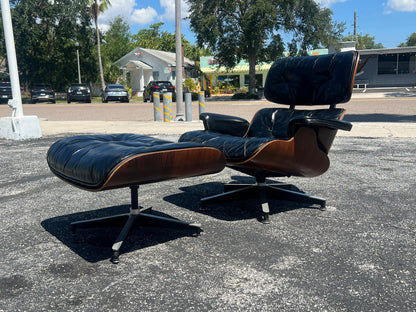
x=201 y=101
x=167 y=106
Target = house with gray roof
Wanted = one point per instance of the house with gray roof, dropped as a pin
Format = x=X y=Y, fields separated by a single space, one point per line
x=144 y=65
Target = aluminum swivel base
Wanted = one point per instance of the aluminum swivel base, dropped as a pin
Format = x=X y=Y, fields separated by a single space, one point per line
x=264 y=192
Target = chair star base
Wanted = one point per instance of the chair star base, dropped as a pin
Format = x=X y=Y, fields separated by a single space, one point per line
x=263 y=191
x=136 y=215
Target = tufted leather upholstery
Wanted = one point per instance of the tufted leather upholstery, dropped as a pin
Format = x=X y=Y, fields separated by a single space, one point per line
x=234 y=148
x=267 y=125
x=89 y=160
x=312 y=80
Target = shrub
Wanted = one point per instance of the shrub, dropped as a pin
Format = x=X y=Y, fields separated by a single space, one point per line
x=190 y=84
x=245 y=96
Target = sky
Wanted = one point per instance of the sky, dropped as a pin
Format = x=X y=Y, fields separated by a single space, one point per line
x=391 y=22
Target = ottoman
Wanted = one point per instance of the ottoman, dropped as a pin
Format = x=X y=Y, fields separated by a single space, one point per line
x=103 y=162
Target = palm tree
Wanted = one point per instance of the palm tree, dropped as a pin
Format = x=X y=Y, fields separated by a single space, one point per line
x=97 y=7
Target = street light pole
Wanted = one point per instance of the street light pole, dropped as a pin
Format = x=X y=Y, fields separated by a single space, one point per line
x=179 y=73
x=79 y=67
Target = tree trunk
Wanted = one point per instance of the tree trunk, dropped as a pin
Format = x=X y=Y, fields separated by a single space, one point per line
x=252 y=73
x=100 y=65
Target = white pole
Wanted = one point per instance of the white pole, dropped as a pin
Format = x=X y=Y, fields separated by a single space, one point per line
x=16 y=102
x=79 y=66
x=179 y=74
x=16 y=127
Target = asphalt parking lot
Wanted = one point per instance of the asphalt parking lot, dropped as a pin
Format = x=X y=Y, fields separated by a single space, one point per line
x=358 y=255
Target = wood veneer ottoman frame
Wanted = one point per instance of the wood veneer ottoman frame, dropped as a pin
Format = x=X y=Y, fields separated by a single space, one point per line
x=103 y=162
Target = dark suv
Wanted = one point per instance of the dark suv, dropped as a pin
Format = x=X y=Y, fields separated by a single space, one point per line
x=42 y=92
x=158 y=86
x=5 y=91
x=78 y=92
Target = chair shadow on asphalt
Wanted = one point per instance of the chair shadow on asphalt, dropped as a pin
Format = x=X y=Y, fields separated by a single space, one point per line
x=229 y=210
x=94 y=244
x=379 y=118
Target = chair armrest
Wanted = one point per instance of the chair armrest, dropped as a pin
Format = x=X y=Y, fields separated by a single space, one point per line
x=224 y=124
x=295 y=123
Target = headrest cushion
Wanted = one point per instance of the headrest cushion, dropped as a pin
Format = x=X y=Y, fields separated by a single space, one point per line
x=312 y=80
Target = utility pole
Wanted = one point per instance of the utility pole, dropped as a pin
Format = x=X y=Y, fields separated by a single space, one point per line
x=355 y=24
x=179 y=72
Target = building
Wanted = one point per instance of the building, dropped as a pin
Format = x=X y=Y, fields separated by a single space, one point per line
x=394 y=67
x=144 y=65
x=219 y=79
x=378 y=68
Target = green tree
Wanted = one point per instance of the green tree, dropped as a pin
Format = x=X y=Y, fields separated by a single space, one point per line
x=253 y=29
x=45 y=33
x=155 y=38
x=364 y=42
x=410 y=41
x=97 y=7
x=116 y=39
x=116 y=44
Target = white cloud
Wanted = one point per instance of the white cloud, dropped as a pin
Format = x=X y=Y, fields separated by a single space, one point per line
x=402 y=5
x=119 y=7
x=144 y=16
x=135 y=15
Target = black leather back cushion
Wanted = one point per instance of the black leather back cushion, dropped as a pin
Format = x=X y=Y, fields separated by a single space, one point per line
x=274 y=122
x=312 y=80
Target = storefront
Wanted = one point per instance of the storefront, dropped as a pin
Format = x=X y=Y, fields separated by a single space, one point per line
x=387 y=68
x=219 y=79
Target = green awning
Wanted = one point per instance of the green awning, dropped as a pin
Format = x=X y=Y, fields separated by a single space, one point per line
x=236 y=69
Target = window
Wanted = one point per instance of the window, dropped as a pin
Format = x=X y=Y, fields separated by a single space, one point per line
x=259 y=80
x=404 y=63
x=155 y=75
x=393 y=64
x=229 y=80
x=387 y=64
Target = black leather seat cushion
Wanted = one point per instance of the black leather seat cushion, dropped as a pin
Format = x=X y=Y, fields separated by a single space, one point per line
x=88 y=160
x=234 y=148
x=268 y=124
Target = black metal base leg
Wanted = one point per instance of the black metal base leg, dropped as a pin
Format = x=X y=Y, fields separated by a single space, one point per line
x=129 y=219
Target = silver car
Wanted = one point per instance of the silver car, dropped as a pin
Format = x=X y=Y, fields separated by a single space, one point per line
x=115 y=92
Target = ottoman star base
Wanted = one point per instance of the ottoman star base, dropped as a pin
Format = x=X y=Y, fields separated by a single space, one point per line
x=103 y=162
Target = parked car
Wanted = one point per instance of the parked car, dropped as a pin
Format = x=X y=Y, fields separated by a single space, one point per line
x=42 y=92
x=158 y=86
x=115 y=92
x=5 y=91
x=78 y=92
